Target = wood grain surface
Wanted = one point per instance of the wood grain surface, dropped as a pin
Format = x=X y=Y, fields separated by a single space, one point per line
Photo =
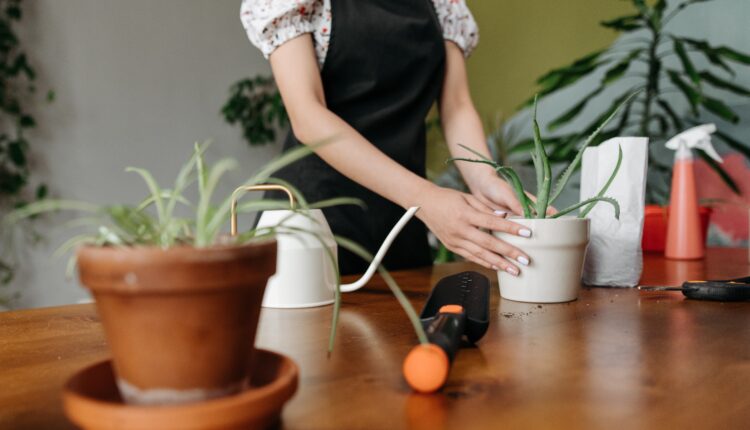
x=615 y=358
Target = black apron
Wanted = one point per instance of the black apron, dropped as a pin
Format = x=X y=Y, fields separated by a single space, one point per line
x=383 y=71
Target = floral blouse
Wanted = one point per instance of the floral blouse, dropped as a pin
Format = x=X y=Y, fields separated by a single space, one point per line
x=270 y=23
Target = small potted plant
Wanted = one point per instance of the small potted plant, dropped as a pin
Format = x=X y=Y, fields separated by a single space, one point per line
x=558 y=245
x=179 y=300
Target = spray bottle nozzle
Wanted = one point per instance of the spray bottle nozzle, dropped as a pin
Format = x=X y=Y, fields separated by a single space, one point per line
x=695 y=138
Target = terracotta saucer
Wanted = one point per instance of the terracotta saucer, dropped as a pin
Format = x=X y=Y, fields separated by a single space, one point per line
x=91 y=401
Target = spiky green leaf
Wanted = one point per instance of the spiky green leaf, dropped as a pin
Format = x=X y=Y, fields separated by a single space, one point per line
x=606 y=186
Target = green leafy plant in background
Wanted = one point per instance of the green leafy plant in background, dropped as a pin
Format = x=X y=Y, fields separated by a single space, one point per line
x=545 y=193
x=662 y=63
x=156 y=222
x=17 y=77
x=255 y=105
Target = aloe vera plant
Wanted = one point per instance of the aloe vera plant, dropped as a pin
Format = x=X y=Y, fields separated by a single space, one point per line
x=545 y=193
x=154 y=221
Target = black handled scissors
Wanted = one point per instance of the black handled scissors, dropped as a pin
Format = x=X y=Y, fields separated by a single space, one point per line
x=731 y=290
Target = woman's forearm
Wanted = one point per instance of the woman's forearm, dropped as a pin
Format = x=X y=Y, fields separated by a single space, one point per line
x=462 y=126
x=356 y=158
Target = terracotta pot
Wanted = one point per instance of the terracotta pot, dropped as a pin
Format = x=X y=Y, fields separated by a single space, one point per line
x=655 y=226
x=180 y=322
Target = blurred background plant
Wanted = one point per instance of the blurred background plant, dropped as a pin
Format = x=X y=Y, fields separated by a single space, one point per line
x=649 y=56
x=255 y=106
x=17 y=94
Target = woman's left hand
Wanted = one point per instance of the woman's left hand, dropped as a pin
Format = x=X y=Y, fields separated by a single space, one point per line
x=496 y=193
x=499 y=195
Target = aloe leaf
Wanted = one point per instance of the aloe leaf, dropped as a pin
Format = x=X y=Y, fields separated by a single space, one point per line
x=183 y=178
x=72 y=243
x=512 y=178
x=154 y=189
x=687 y=64
x=337 y=201
x=392 y=284
x=586 y=202
x=132 y=222
x=260 y=205
x=284 y=160
x=165 y=194
x=298 y=196
x=472 y=160
x=542 y=165
x=723 y=84
x=606 y=186
x=508 y=174
x=222 y=212
x=692 y=95
x=203 y=215
x=475 y=152
x=573 y=166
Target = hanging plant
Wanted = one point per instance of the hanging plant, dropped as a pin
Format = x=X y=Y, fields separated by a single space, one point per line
x=651 y=113
x=17 y=77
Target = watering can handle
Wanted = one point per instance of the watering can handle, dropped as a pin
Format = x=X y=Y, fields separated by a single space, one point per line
x=354 y=286
x=245 y=188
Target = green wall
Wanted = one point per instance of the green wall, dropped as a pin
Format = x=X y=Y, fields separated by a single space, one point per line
x=519 y=40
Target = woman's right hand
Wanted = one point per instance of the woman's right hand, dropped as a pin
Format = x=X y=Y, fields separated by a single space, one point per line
x=457 y=219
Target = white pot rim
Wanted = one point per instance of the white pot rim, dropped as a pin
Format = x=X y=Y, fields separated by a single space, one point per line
x=561 y=219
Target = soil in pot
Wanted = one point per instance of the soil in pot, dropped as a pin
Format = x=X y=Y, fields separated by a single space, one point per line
x=180 y=322
x=556 y=248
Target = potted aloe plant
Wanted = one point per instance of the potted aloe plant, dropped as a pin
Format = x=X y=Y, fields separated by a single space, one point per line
x=558 y=245
x=179 y=300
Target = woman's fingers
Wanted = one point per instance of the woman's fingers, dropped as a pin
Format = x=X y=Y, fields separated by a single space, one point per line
x=499 y=248
x=496 y=262
x=478 y=204
x=473 y=258
x=495 y=223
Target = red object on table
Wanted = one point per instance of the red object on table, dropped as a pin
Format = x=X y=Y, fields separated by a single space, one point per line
x=655 y=226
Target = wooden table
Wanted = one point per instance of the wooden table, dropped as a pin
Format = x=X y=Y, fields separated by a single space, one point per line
x=616 y=358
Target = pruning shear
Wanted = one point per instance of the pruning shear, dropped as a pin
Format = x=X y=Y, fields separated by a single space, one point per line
x=731 y=290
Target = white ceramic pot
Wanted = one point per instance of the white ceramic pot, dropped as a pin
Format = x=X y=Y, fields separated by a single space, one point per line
x=557 y=248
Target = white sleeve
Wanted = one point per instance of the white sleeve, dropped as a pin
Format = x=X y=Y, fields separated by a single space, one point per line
x=458 y=24
x=270 y=23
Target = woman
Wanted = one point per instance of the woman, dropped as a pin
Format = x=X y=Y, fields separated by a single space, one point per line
x=367 y=72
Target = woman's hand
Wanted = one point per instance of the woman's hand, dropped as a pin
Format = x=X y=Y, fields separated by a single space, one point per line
x=499 y=195
x=457 y=219
x=496 y=194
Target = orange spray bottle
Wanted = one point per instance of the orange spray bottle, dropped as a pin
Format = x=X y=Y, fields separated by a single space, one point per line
x=684 y=236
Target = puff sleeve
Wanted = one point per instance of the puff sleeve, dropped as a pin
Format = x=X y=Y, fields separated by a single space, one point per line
x=270 y=23
x=458 y=24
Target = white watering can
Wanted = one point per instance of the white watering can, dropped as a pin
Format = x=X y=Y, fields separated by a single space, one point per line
x=305 y=275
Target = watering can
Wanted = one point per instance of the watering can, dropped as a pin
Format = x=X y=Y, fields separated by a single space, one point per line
x=307 y=251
